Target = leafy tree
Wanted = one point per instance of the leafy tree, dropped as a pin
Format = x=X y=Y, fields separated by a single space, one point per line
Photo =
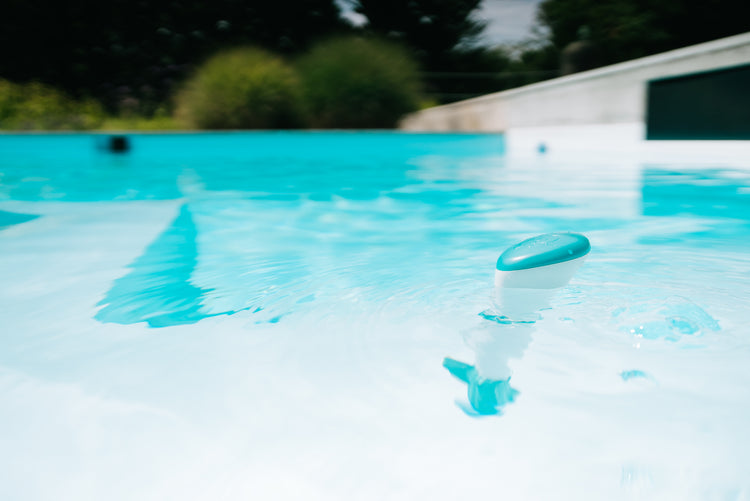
x=431 y=27
x=244 y=88
x=358 y=83
x=627 y=29
x=532 y=61
x=36 y=106
x=444 y=36
x=130 y=53
x=468 y=72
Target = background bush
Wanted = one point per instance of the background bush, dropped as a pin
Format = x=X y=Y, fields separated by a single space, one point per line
x=35 y=106
x=242 y=88
x=358 y=83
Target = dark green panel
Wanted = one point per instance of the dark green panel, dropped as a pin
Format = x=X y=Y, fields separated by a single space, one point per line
x=709 y=105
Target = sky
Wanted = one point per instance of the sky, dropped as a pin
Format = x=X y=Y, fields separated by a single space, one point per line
x=508 y=21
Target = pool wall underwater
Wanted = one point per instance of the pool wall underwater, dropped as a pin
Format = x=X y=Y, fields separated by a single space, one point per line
x=311 y=315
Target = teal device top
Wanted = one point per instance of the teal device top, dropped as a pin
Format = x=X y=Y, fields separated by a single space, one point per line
x=543 y=250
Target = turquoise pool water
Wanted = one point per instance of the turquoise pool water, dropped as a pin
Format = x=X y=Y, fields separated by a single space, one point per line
x=309 y=316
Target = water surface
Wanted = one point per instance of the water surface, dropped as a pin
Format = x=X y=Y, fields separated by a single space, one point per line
x=309 y=316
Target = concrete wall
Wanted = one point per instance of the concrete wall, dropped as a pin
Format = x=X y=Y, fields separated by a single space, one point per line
x=612 y=97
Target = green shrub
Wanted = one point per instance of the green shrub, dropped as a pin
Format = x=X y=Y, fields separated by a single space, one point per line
x=36 y=106
x=9 y=98
x=358 y=83
x=241 y=89
x=140 y=123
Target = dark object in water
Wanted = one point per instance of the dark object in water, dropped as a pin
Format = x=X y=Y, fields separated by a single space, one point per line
x=118 y=144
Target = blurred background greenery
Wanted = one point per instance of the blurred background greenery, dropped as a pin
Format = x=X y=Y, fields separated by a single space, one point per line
x=353 y=82
x=164 y=64
x=243 y=88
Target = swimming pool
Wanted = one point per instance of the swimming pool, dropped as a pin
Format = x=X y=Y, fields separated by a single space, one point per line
x=309 y=316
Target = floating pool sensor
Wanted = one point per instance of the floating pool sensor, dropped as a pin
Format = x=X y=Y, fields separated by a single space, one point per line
x=526 y=276
x=528 y=272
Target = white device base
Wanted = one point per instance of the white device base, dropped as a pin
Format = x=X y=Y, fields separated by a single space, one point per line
x=543 y=277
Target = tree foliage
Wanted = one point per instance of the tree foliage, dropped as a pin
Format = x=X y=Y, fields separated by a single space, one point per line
x=431 y=27
x=35 y=106
x=243 y=88
x=131 y=52
x=444 y=37
x=627 y=29
x=358 y=83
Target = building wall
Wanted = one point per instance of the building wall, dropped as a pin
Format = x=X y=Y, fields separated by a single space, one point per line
x=612 y=97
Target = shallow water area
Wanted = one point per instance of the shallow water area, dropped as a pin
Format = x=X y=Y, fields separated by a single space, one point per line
x=309 y=316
